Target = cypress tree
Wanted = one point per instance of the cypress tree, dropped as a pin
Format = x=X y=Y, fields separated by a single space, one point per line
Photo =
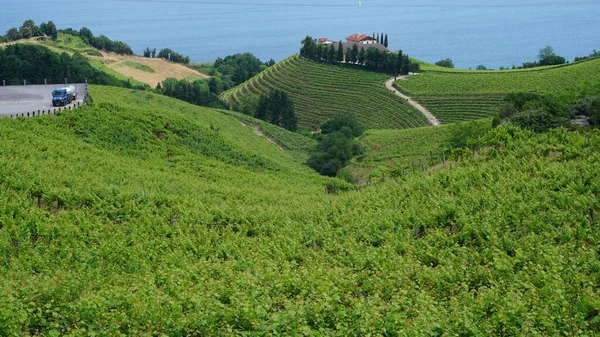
x=399 y=62
x=340 y=52
x=332 y=54
x=361 y=56
x=261 y=110
x=381 y=38
x=405 y=65
x=288 y=118
x=354 y=53
x=385 y=41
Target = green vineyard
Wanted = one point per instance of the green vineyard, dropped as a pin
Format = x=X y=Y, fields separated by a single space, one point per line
x=454 y=95
x=456 y=108
x=320 y=91
x=141 y=215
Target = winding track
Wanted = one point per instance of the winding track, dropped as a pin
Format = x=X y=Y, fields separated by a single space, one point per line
x=431 y=119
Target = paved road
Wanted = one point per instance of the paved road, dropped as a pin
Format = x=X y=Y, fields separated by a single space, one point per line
x=23 y=99
x=430 y=117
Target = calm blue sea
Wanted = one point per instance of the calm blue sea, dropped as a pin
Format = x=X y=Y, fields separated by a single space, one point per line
x=493 y=33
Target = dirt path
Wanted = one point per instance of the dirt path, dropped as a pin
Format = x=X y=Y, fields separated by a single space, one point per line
x=431 y=119
x=258 y=131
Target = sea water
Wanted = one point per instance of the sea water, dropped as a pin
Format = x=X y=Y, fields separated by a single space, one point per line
x=492 y=33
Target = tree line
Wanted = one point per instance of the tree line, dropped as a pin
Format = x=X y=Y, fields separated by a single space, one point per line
x=100 y=42
x=35 y=64
x=371 y=58
x=381 y=38
x=225 y=74
x=30 y=29
x=277 y=108
x=167 y=54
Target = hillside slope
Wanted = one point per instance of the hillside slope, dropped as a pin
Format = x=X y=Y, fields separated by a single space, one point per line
x=150 y=71
x=320 y=91
x=142 y=215
x=455 y=95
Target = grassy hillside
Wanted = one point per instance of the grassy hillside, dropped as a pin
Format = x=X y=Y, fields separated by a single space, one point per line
x=320 y=91
x=462 y=95
x=142 y=215
x=389 y=152
x=138 y=70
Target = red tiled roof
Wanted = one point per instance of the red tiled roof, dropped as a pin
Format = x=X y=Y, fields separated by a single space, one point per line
x=359 y=37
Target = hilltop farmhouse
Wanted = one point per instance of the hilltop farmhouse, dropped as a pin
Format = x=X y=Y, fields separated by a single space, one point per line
x=361 y=40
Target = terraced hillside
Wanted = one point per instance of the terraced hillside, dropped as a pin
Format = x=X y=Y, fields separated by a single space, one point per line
x=463 y=95
x=320 y=91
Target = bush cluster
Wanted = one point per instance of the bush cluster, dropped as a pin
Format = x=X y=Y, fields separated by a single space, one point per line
x=336 y=144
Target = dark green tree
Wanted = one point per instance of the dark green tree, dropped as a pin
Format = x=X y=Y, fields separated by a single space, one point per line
x=340 y=52
x=277 y=108
x=547 y=57
x=336 y=144
x=372 y=57
x=361 y=56
x=86 y=35
x=262 y=108
x=399 y=62
x=173 y=56
x=288 y=116
x=349 y=55
x=51 y=30
x=405 y=65
x=308 y=49
x=385 y=41
x=29 y=29
x=354 y=53
x=332 y=55
x=344 y=120
x=446 y=63
x=13 y=34
x=414 y=67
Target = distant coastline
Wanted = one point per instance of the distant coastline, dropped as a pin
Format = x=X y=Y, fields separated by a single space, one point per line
x=498 y=34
